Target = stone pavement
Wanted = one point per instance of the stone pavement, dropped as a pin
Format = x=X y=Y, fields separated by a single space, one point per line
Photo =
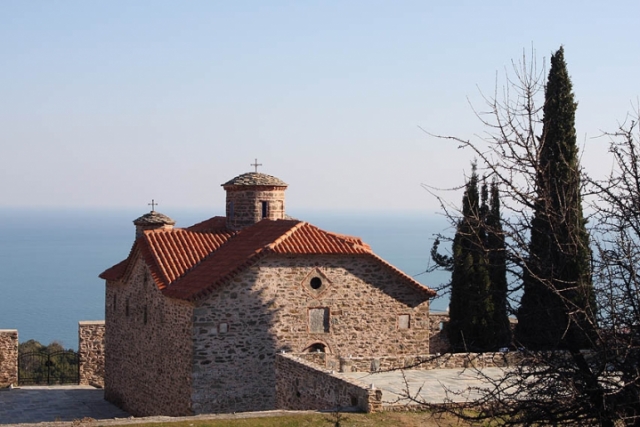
x=429 y=386
x=36 y=404
x=46 y=404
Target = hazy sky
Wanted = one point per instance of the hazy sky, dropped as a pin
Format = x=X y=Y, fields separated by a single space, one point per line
x=113 y=103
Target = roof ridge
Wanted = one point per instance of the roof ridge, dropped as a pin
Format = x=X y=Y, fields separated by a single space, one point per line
x=135 y=251
x=285 y=235
x=157 y=270
x=199 y=227
x=353 y=241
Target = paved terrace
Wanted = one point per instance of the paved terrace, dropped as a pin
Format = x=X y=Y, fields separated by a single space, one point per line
x=35 y=404
x=429 y=386
x=39 y=404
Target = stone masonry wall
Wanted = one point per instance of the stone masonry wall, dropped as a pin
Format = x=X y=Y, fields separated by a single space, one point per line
x=8 y=357
x=438 y=341
x=244 y=207
x=430 y=361
x=301 y=385
x=147 y=347
x=359 y=308
x=91 y=352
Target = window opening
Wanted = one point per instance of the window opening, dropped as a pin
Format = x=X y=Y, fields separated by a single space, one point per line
x=144 y=317
x=315 y=283
x=264 y=209
x=319 y=320
x=126 y=308
x=316 y=348
x=404 y=321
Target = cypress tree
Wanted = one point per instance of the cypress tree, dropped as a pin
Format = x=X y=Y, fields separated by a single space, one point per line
x=497 y=271
x=468 y=322
x=557 y=308
x=478 y=319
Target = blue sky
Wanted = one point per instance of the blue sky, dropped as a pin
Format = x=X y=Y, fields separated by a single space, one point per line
x=112 y=103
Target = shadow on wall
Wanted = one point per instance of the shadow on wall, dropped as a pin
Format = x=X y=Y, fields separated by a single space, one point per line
x=235 y=346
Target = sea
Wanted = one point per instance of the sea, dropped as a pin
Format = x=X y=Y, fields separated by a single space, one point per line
x=50 y=259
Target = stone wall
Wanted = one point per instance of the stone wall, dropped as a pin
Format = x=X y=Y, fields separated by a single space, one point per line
x=431 y=361
x=244 y=206
x=438 y=341
x=8 y=357
x=91 y=352
x=362 y=308
x=301 y=385
x=148 y=348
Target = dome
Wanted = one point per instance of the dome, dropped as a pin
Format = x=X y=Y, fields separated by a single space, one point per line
x=153 y=218
x=252 y=197
x=255 y=178
x=152 y=221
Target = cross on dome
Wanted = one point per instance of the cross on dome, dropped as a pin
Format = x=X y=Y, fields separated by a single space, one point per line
x=153 y=205
x=256 y=164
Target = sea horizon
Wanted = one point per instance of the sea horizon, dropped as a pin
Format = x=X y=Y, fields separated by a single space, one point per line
x=50 y=259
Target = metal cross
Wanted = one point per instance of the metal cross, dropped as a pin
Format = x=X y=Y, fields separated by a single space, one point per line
x=153 y=205
x=256 y=164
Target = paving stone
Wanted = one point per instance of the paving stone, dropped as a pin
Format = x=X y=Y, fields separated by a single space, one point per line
x=429 y=386
x=55 y=403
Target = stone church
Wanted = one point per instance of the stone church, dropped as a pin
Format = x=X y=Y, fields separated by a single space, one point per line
x=194 y=316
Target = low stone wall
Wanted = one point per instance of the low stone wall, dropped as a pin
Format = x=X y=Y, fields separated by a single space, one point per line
x=431 y=361
x=302 y=385
x=91 y=352
x=8 y=357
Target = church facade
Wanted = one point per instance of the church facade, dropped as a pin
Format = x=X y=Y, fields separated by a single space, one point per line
x=194 y=316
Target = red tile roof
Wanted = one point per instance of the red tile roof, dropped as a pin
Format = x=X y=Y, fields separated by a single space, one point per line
x=189 y=263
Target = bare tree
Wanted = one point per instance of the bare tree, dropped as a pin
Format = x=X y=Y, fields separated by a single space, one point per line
x=565 y=385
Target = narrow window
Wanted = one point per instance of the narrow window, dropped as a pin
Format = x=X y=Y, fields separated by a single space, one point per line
x=126 y=308
x=404 y=321
x=319 y=320
x=265 y=209
x=144 y=316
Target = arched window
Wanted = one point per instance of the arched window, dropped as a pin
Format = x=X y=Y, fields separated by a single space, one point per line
x=316 y=348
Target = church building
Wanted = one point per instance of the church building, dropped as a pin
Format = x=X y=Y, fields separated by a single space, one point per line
x=195 y=316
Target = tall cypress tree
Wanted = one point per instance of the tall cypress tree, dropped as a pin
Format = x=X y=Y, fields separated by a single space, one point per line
x=472 y=308
x=497 y=271
x=469 y=275
x=478 y=319
x=557 y=308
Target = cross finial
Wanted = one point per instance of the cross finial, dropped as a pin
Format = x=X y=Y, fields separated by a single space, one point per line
x=256 y=164
x=153 y=205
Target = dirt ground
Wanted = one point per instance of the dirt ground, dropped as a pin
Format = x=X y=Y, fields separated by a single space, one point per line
x=275 y=419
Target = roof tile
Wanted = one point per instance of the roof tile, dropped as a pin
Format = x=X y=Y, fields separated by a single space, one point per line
x=211 y=254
